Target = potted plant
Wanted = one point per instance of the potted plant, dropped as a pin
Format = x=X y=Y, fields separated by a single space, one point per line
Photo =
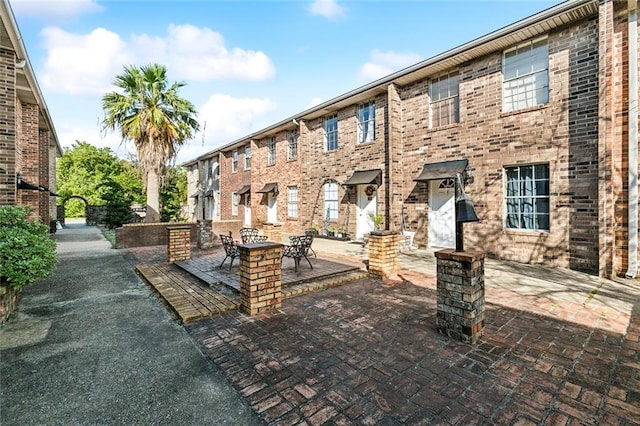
x=376 y=219
x=312 y=230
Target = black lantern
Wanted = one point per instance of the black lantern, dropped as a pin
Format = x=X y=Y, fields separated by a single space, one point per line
x=464 y=211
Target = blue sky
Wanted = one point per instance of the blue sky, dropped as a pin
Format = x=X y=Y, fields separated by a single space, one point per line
x=247 y=63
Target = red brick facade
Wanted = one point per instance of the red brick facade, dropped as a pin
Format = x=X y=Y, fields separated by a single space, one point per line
x=580 y=134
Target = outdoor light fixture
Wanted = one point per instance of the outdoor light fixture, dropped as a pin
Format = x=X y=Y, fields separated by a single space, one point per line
x=464 y=211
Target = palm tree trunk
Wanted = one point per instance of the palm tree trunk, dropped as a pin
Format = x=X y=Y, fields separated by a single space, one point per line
x=153 y=197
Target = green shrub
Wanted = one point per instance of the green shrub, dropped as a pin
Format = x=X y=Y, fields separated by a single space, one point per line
x=26 y=251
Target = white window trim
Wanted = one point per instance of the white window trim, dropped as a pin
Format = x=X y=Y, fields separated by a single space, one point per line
x=271 y=150
x=326 y=133
x=234 y=161
x=247 y=158
x=505 y=198
x=441 y=77
x=371 y=120
x=520 y=46
x=290 y=204
x=235 y=202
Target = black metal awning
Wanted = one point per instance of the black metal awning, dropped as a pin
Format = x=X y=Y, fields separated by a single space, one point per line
x=209 y=193
x=269 y=187
x=244 y=190
x=197 y=194
x=365 y=177
x=442 y=170
x=23 y=184
x=53 y=194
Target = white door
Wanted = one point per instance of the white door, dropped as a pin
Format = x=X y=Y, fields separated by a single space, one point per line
x=442 y=223
x=366 y=204
x=247 y=211
x=272 y=208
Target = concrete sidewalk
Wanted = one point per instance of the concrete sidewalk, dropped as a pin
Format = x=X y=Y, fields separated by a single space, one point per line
x=93 y=345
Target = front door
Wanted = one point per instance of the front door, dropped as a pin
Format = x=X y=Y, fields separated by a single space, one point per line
x=366 y=204
x=247 y=211
x=442 y=224
x=272 y=208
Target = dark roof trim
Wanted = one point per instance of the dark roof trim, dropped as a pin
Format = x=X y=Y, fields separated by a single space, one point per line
x=269 y=187
x=244 y=190
x=442 y=170
x=365 y=177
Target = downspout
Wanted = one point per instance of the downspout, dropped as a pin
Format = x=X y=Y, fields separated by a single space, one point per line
x=632 y=5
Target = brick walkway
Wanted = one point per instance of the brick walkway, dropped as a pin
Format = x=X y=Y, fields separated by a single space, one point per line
x=368 y=352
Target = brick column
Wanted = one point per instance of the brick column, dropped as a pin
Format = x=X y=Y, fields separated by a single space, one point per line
x=178 y=243
x=204 y=234
x=460 y=294
x=260 y=277
x=273 y=231
x=383 y=254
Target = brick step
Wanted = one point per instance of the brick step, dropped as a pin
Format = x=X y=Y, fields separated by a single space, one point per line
x=324 y=282
x=185 y=294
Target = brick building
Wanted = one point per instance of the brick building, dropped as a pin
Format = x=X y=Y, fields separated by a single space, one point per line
x=533 y=119
x=28 y=142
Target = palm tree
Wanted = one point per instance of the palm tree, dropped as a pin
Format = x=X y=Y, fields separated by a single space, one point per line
x=151 y=114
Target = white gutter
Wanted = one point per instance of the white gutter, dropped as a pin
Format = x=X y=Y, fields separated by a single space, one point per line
x=633 y=138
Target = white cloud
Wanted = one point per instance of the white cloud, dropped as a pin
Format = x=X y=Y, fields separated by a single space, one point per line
x=329 y=9
x=88 y=63
x=68 y=135
x=385 y=63
x=48 y=9
x=224 y=118
x=314 y=102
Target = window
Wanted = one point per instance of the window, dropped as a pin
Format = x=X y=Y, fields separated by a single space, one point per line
x=527 y=197
x=445 y=103
x=247 y=157
x=331 y=200
x=234 y=161
x=525 y=73
x=210 y=169
x=271 y=150
x=292 y=201
x=331 y=133
x=367 y=122
x=235 y=200
x=292 y=147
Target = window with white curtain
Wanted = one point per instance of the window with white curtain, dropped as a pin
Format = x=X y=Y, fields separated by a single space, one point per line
x=367 y=122
x=527 y=197
x=234 y=161
x=247 y=157
x=445 y=100
x=235 y=200
x=331 y=200
x=525 y=74
x=271 y=150
x=292 y=201
x=331 y=133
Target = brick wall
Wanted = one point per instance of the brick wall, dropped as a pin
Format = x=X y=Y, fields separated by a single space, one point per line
x=285 y=172
x=30 y=146
x=338 y=166
x=7 y=128
x=562 y=133
x=231 y=182
x=147 y=234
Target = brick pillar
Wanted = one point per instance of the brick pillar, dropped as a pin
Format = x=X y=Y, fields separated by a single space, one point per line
x=383 y=254
x=9 y=152
x=178 y=243
x=204 y=234
x=273 y=231
x=260 y=277
x=460 y=292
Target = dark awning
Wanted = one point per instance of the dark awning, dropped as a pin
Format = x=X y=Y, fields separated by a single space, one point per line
x=442 y=170
x=53 y=194
x=244 y=190
x=197 y=194
x=365 y=177
x=23 y=184
x=269 y=187
x=209 y=193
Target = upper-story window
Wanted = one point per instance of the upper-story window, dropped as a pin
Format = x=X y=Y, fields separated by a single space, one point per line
x=234 y=161
x=367 y=122
x=445 y=100
x=331 y=133
x=247 y=157
x=271 y=150
x=525 y=73
x=527 y=197
x=292 y=147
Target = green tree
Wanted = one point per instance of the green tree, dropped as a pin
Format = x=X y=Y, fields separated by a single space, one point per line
x=150 y=113
x=173 y=193
x=85 y=169
x=118 y=205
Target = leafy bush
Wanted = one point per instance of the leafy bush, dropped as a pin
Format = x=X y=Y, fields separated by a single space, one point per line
x=118 y=207
x=26 y=251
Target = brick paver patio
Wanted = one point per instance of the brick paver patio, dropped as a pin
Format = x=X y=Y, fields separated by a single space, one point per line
x=368 y=352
